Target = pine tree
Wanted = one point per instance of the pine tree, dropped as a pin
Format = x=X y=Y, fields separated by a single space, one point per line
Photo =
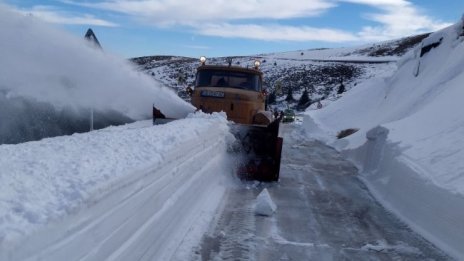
x=278 y=88
x=181 y=78
x=271 y=99
x=290 y=95
x=304 y=101
x=341 y=88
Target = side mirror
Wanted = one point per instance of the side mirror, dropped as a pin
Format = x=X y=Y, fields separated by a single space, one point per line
x=264 y=91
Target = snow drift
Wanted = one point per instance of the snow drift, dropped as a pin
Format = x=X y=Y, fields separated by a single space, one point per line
x=410 y=148
x=107 y=191
x=50 y=80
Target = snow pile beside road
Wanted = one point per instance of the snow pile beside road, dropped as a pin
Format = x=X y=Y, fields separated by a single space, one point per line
x=410 y=147
x=87 y=190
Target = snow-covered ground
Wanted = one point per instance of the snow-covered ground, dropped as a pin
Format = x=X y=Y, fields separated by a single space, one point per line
x=409 y=146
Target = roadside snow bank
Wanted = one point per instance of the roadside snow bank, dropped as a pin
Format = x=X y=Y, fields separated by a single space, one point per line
x=409 y=147
x=83 y=196
x=398 y=182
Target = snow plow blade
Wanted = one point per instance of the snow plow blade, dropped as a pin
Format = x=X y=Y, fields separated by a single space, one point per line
x=260 y=151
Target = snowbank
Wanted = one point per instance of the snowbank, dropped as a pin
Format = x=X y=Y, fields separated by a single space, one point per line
x=409 y=147
x=101 y=194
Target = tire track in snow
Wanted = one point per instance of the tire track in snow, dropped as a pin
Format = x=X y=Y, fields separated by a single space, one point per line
x=235 y=238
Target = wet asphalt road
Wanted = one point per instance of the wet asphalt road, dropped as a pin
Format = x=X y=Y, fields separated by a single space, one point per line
x=324 y=212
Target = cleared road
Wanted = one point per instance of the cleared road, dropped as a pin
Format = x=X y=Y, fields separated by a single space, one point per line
x=324 y=212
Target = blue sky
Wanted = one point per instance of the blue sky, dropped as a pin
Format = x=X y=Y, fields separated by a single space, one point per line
x=132 y=28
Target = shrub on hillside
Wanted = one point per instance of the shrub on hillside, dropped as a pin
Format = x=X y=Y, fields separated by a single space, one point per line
x=346 y=133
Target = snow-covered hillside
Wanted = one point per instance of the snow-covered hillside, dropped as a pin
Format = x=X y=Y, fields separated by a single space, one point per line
x=317 y=70
x=409 y=146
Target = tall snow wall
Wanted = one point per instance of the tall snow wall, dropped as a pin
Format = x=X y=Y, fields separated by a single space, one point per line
x=409 y=148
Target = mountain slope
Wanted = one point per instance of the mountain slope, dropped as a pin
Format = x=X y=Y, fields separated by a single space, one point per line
x=320 y=71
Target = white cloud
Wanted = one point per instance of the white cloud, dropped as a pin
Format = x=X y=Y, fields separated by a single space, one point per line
x=378 y=2
x=396 y=18
x=53 y=15
x=251 y=18
x=219 y=17
x=182 y=12
x=276 y=32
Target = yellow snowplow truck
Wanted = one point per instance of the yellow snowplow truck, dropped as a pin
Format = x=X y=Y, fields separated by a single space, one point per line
x=239 y=92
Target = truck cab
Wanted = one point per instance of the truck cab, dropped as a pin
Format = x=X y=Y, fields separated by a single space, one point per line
x=237 y=91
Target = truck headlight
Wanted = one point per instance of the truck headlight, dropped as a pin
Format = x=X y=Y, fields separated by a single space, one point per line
x=203 y=60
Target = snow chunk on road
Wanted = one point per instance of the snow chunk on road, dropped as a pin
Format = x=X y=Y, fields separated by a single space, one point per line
x=264 y=204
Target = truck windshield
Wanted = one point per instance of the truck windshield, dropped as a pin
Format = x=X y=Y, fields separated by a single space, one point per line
x=221 y=78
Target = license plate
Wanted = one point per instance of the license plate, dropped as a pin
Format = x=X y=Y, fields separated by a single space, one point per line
x=216 y=94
